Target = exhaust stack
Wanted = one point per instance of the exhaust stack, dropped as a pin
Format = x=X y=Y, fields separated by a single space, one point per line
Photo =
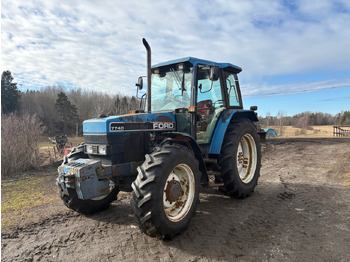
x=148 y=48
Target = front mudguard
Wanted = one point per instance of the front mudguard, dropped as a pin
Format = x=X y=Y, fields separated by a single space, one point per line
x=83 y=176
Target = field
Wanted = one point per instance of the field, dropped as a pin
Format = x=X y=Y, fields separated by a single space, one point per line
x=310 y=131
x=300 y=211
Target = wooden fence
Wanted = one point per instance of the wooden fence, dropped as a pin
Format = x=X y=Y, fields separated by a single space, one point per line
x=341 y=131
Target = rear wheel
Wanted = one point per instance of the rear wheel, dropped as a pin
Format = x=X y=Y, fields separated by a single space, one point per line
x=166 y=191
x=240 y=159
x=88 y=206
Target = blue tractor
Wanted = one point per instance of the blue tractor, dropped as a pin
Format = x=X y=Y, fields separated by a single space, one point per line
x=193 y=132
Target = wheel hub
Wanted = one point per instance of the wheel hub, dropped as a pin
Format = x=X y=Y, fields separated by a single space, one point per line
x=246 y=158
x=178 y=192
x=173 y=191
x=240 y=157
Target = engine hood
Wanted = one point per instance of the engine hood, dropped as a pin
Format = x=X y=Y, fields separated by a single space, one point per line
x=145 y=122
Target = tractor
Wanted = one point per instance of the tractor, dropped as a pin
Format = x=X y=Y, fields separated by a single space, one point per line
x=191 y=132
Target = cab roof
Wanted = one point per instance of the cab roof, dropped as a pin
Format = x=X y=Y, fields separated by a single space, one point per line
x=195 y=61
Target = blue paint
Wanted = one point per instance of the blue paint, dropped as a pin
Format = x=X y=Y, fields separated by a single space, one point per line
x=102 y=125
x=195 y=61
x=74 y=164
x=221 y=127
x=219 y=133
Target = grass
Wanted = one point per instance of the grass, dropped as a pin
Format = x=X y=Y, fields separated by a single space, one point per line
x=347 y=179
x=20 y=198
x=310 y=132
x=23 y=199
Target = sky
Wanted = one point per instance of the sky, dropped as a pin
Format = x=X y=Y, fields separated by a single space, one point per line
x=295 y=55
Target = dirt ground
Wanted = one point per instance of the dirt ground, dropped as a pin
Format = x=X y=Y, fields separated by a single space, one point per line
x=300 y=211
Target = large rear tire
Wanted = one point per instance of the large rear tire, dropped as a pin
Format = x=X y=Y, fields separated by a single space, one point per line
x=88 y=206
x=166 y=191
x=240 y=159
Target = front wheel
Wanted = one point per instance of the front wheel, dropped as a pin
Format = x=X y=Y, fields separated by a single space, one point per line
x=71 y=199
x=166 y=191
x=240 y=159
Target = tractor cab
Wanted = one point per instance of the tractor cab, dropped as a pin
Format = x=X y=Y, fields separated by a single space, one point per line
x=197 y=90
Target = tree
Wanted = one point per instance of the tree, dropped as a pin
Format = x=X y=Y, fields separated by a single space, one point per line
x=117 y=105
x=345 y=119
x=67 y=112
x=268 y=116
x=124 y=105
x=133 y=103
x=280 y=117
x=10 y=95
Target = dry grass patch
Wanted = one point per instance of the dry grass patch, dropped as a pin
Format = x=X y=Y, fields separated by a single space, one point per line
x=20 y=198
x=309 y=132
x=347 y=179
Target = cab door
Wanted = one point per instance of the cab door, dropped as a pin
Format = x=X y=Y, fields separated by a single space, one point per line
x=210 y=104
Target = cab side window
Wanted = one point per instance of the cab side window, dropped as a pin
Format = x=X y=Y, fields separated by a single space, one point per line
x=209 y=105
x=207 y=89
x=231 y=80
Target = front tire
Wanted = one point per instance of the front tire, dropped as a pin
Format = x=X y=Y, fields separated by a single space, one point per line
x=166 y=191
x=88 y=206
x=240 y=159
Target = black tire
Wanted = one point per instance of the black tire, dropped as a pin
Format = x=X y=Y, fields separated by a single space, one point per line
x=164 y=201
x=240 y=159
x=84 y=206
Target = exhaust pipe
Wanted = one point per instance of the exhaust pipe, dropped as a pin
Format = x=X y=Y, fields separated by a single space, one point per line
x=148 y=48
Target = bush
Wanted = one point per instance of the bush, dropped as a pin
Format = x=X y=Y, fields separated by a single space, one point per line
x=303 y=132
x=19 y=143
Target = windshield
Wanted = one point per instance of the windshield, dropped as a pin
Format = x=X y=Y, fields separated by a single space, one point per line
x=171 y=89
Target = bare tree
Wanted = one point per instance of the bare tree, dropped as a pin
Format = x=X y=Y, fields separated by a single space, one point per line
x=19 y=143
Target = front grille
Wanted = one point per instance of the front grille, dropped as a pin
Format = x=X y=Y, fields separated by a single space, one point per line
x=95 y=149
x=122 y=147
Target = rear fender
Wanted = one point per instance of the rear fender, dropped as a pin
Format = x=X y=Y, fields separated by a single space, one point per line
x=187 y=140
x=223 y=122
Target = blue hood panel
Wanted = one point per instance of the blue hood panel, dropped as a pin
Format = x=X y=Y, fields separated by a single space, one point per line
x=162 y=121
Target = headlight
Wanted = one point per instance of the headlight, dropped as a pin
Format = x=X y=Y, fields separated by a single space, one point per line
x=88 y=149
x=96 y=149
x=102 y=150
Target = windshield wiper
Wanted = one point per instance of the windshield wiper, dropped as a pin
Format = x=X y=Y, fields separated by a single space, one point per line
x=177 y=78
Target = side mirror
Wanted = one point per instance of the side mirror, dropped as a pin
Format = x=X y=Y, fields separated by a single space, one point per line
x=214 y=73
x=140 y=83
x=253 y=108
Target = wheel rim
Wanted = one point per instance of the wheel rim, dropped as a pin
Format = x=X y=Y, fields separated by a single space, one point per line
x=246 y=158
x=179 y=191
x=111 y=187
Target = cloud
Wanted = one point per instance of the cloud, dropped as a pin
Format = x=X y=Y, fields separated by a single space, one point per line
x=293 y=88
x=347 y=98
x=97 y=45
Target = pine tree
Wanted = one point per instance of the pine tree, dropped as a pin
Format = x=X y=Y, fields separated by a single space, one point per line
x=67 y=111
x=117 y=105
x=345 y=119
x=10 y=95
x=124 y=105
x=133 y=103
